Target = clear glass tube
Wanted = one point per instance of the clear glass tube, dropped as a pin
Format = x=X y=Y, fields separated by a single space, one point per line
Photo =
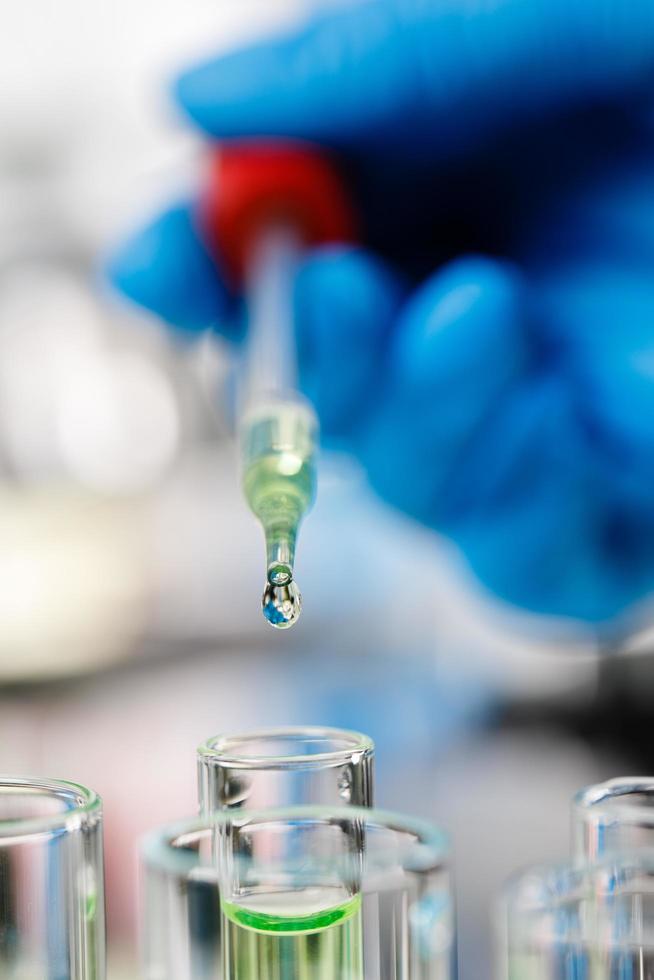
x=591 y=922
x=278 y=427
x=52 y=923
x=285 y=766
x=263 y=768
x=307 y=893
x=614 y=816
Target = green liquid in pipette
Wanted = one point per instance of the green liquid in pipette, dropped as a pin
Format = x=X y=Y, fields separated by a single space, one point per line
x=279 y=488
x=279 y=477
x=279 y=480
x=280 y=941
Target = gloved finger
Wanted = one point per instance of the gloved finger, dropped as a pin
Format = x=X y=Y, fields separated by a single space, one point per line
x=520 y=506
x=167 y=269
x=553 y=538
x=560 y=548
x=605 y=315
x=520 y=492
x=400 y=74
x=346 y=302
x=591 y=260
x=459 y=344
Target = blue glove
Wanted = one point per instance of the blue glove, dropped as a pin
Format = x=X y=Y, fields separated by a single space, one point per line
x=490 y=355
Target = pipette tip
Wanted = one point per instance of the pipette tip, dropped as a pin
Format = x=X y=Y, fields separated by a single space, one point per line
x=280 y=573
x=281 y=604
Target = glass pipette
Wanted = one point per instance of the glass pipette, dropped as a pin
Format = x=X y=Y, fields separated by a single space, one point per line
x=263 y=204
x=278 y=427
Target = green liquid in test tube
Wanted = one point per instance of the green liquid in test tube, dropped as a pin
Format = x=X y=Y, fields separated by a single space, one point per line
x=304 y=893
x=291 y=901
x=305 y=936
x=271 y=923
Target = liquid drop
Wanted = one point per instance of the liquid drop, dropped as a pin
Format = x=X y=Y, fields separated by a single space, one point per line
x=282 y=604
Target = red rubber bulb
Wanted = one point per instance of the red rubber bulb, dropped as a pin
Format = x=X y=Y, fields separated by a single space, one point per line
x=253 y=185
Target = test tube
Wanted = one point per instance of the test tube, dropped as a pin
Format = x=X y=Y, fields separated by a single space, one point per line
x=51 y=881
x=614 y=816
x=285 y=766
x=303 y=899
x=589 y=922
x=263 y=768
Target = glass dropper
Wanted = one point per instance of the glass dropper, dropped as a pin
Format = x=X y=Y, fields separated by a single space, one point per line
x=263 y=204
x=278 y=427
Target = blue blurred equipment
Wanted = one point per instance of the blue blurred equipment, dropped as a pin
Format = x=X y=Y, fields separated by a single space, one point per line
x=490 y=355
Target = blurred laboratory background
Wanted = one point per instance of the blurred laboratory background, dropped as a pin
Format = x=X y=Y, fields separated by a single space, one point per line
x=130 y=568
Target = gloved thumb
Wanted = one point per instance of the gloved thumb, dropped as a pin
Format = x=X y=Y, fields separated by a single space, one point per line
x=459 y=346
x=432 y=75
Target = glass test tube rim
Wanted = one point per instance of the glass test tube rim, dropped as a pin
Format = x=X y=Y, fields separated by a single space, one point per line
x=87 y=810
x=602 y=801
x=547 y=887
x=217 y=748
x=163 y=848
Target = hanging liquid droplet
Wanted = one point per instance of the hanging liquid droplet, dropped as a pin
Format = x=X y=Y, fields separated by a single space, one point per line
x=282 y=604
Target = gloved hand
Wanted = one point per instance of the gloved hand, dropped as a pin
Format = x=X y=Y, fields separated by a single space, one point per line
x=490 y=355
